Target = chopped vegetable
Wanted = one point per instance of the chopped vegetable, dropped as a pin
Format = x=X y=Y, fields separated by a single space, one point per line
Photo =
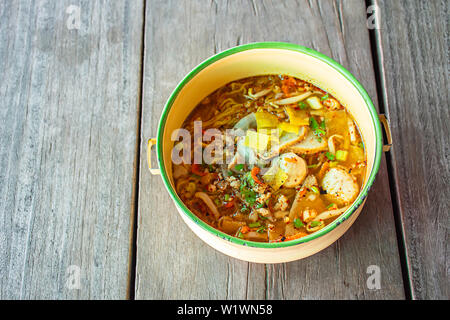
x=245 y=229
x=239 y=167
x=254 y=225
x=275 y=177
x=331 y=205
x=249 y=196
x=330 y=156
x=297 y=117
x=325 y=97
x=265 y=120
x=333 y=164
x=313 y=123
x=315 y=223
x=314 y=103
x=287 y=127
x=227 y=197
x=261 y=229
x=341 y=155
x=302 y=105
x=315 y=189
x=298 y=223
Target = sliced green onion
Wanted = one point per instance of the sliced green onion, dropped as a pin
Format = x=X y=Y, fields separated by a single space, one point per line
x=330 y=205
x=261 y=230
x=315 y=223
x=302 y=105
x=240 y=235
x=313 y=123
x=330 y=156
x=239 y=167
x=298 y=223
x=312 y=166
x=315 y=189
x=325 y=97
x=319 y=132
x=227 y=197
x=254 y=224
x=322 y=125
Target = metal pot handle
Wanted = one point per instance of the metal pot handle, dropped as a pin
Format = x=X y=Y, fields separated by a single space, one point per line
x=387 y=131
x=151 y=142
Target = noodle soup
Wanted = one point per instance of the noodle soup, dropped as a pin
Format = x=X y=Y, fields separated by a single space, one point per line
x=285 y=159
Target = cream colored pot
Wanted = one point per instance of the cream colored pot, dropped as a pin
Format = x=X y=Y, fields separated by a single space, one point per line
x=259 y=59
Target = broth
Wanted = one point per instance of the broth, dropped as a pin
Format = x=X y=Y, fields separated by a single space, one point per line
x=285 y=159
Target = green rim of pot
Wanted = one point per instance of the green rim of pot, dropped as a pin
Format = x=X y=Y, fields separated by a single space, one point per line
x=283 y=46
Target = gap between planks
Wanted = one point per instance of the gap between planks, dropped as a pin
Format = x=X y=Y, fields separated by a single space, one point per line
x=375 y=46
x=131 y=290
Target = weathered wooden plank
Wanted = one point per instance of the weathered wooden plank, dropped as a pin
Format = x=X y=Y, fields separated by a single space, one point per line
x=413 y=54
x=178 y=36
x=68 y=127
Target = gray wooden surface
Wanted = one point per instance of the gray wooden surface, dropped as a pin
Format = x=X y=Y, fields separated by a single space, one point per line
x=414 y=47
x=179 y=35
x=78 y=105
x=68 y=121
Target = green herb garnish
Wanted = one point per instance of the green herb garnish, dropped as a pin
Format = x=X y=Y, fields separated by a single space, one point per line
x=254 y=224
x=315 y=223
x=302 y=105
x=227 y=197
x=313 y=123
x=325 y=97
x=298 y=223
x=330 y=156
x=261 y=230
x=319 y=132
x=239 y=167
x=330 y=205
x=315 y=189
x=240 y=235
x=248 y=195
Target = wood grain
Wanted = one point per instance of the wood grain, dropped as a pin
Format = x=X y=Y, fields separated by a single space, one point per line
x=68 y=128
x=413 y=52
x=171 y=261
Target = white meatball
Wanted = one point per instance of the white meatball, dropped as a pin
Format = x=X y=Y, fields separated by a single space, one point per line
x=295 y=167
x=340 y=185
